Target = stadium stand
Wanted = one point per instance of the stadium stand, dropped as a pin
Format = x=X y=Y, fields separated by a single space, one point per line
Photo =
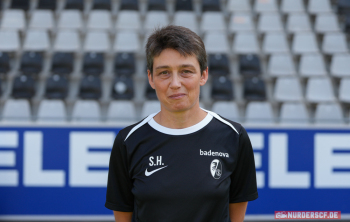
x=289 y=58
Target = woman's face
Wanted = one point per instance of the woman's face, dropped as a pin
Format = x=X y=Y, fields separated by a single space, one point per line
x=177 y=80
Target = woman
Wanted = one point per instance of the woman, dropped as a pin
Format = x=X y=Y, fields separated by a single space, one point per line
x=183 y=163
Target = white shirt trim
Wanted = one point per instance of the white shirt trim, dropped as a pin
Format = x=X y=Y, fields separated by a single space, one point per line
x=183 y=131
x=221 y=119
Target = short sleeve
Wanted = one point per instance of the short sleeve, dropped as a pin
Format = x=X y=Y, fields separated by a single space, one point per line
x=119 y=196
x=243 y=179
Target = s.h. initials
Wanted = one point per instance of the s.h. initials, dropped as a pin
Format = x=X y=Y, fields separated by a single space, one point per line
x=155 y=162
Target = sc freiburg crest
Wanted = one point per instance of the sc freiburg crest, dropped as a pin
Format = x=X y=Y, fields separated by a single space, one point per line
x=216 y=168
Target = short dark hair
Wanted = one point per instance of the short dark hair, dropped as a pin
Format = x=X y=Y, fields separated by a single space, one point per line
x=179 y=38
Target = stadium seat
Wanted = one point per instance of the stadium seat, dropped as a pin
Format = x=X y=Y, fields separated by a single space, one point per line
x=121 y=110
x=259 y=112
x=183 y=5
x=298 y=22
x=343 y=7
x=13 y=19
x=329 y=113
x=16 y=110
x=344 y=90
x=20 y=4
x=75 y=4
x=129 y=5
x=86 y=111
x=123 y=88
x=319 y=90
x=99 y=19
x=37 y=40
x=347 y=24
x=97 y=41
x=49 y=5
x=249 y=65
x=304 y=42
x=150 y=92
x=126 y=41
x=186 y=19
x=281 y=65
x=102 y=4
x=319 y=6
x=340 y=65
x=228 y=110
x=240 y=22
x=210 y=5
x=150 y=107
x=70 y=19
x=9 y=41
x=56 y=87
x=288 y=89
x=124 y=64
x=270 y=22
x=238 y=6
x=245 y=42
x=52 y=111
x=222 y=88
x=218 y=64
x=292 y=6
x=155 y=19
x=42 y=19
x=262 y=6
x=23 y=87
x=67 y=41
x=128 y=20
x=326 y=23
x=31 y=63
x=275 y=42
x=62 y=63
x=4 y=63
x=216 y=42
x=156 y=5
x=254 y=89
x=334 y=43
x=90 y=87
x=213 y=21
x=93 y=63
x=312 y=65
x=294 y=113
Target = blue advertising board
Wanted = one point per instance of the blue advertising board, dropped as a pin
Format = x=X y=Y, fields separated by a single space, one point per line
x=62 y=171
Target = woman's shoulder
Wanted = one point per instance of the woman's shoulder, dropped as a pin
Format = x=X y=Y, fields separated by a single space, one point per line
x=222 y=121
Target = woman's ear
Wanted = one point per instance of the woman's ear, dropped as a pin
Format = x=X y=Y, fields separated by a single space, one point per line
x=204 y=77
x=150 y=78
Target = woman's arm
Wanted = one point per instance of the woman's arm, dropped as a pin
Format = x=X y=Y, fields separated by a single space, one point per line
x=122 y=216
x=237 y=211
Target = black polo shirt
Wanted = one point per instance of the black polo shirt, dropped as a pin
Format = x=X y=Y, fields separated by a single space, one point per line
x=191 y=174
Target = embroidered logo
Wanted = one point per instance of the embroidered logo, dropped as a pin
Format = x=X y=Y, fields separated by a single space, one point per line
x=216 y=168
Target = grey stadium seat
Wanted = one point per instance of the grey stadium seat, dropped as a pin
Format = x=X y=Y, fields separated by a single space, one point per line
x=281 y=65
x=121 y=110
x=213 y=21
x=238 y=6
x=259 y=112
x=128 y=20
x=262 y=6
x=275 y=42
x=9 y=40
x=42 y=19
x=292 y=6
x=344 y=90
x=312 y=65
x=99 y=19
x=70 y=19
x=86 y=111
x=340 y=65
x=241 y=22
x=16 y=110
x=294 y=113
x=67 y=41
x=245 y=42
x=37 y=40
x=327 y=23
x=155 y=19
x=329 y=113
x=150 y=107
x=304 y=42
x=228 y=110
x=186 y=19
x=13 y=19
x=319 y=6
x=319 y=90
x=97 y=41
x=52 y=111
x=334 y=43
x=298 y=22
x=270 y=22
x=288 y=89
x=216 y=42
x=126 y=41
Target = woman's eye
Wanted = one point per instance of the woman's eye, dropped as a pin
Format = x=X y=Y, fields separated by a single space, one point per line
x=187 y=71
x=164 y=72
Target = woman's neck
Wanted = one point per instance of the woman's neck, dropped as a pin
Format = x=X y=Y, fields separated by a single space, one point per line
x=180 y=120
